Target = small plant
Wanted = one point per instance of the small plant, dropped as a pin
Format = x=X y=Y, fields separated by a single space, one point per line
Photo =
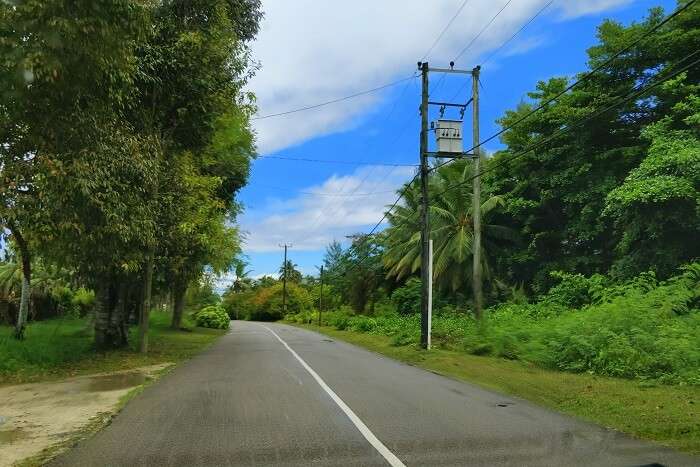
x=213 y=316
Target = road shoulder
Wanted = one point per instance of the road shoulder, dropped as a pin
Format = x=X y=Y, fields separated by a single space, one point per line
x=667 y=415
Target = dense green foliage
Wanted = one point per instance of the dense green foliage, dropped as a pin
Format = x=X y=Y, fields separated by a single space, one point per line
x=642 y=328
x=124 y=139
x=214 y=317
x=265 y=303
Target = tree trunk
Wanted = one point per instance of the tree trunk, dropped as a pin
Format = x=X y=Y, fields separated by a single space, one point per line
x=146 y=309
x=179 y=306
x=26 y=281
x=119 y=329
x=102 y=317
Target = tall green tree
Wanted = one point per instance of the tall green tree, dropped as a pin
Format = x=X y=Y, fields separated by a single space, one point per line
x=65 y=72
x=555 y=196
x=656 y=210
x=451 y=229
x=290 y=271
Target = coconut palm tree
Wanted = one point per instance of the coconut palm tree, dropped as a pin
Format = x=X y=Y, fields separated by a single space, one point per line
x=290 y=269
x=451 y=229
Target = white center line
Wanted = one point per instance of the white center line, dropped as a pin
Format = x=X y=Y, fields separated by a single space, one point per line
x=359 y=424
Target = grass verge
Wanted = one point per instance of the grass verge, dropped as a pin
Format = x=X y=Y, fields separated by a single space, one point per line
x=668 y=415
x=61 y=348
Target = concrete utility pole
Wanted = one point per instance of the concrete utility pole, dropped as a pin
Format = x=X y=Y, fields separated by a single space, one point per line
x=425 y=221
x=476 y=215
x=284 y=279
x=320 y=299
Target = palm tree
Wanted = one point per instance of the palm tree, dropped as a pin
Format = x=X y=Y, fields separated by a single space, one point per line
x=451 y=229
x=242 y=281
x=293 y=275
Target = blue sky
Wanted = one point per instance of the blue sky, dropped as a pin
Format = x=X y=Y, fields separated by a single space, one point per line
x=311 y=52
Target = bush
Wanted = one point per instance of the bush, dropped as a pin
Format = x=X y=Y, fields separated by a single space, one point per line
x=83 y=300
x=213 y=316
x=574 y=290
x=266 y=304
x=239 y=305
x=407 y=298
x=640 y=329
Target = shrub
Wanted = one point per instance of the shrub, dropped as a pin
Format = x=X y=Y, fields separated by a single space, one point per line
x=213 y=316
x=640 y=329
x=267 y=302
x=407 y=298
x=83 y=300
x=574 y=290
x=239 y=305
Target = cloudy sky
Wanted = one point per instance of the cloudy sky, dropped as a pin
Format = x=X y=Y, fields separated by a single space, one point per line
x=312 y=51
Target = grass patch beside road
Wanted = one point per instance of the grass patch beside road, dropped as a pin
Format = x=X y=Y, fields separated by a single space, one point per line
x=56 y=349
x=669 y=415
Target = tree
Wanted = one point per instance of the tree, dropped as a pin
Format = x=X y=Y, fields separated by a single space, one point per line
x=555 y=196
x=52 y=111
x=451 y=229
x=289 y=271
x=362 y=273
x=656 y=210
x=193 y=67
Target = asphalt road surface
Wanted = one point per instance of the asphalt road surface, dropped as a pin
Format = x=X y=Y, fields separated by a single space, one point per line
x=271 y=394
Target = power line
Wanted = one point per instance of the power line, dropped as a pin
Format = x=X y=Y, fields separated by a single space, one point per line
x=444 y=30
x=636 y=92
x=474 y=39
x=482 y=30
x=577 y=82
x=498 y=49
x=402 y=193
x=313 y=193
x=370 y=172
x=518 y=32
x=327 y=161
x=334 y=101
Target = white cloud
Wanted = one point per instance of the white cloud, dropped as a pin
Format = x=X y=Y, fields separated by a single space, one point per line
x=589 y=7
x=313 y=51
x=311 y=222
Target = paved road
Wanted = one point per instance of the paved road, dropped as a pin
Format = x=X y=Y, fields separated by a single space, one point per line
x=270 y=394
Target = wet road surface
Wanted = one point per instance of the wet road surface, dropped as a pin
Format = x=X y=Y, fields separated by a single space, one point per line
x=270 y=394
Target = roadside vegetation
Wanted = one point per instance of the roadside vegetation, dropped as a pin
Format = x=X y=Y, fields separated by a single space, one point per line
x=590 y=250
x=124 y=139
x=665 y=414
x=63 y=347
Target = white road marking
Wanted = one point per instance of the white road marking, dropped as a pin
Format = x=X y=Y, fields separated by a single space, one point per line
x=359 y=424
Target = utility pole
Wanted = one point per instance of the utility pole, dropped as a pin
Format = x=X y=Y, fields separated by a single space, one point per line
x=425 y=221
x=284 y=279
x=449 y=142
x=320 y=299
x=430 y=292
x=476 y=215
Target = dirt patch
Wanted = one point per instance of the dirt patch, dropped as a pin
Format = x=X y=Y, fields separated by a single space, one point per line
x=38 y=415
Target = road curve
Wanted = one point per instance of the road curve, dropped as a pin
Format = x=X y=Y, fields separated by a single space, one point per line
x=268 y=394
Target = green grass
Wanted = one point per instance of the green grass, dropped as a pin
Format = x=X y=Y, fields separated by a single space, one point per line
x=60 y=348
x=669 y=415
